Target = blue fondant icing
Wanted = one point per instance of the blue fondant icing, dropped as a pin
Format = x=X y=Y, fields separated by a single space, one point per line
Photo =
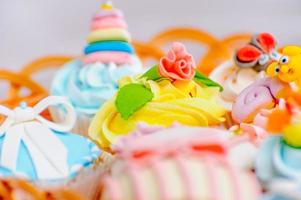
x=278 y=160
x=109 y=46
x=88 y=86
x=273 y=197
x=78 y=148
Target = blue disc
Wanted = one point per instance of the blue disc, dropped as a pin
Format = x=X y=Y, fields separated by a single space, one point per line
x=109 y=46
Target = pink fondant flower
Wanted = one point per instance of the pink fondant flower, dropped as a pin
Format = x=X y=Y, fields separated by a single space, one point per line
x=177 y=64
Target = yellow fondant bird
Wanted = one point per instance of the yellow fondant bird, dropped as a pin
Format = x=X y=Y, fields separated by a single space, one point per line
x=288 y=67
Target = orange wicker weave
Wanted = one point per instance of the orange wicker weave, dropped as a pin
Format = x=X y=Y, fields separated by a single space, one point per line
x=36 y=92
x=212 y=59
x=12 y=189
x=14 y=96
x=45 y=63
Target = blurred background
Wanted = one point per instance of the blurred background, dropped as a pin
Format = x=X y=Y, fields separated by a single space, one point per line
x=34 y=28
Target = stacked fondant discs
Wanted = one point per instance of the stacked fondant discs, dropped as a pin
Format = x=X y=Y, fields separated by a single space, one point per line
x=109 y=38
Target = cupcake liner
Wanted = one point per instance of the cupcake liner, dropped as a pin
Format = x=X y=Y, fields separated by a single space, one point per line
x=82 y=122
x=87 y=182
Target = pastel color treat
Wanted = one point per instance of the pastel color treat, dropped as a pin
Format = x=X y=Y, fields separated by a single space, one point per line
x=174 y=91
x=277 y=164
x=278 y=160
x=241 y=149
x=177 y=163
x=92 y=79
x=45 y=152
x=262 y=94
x=248 y=64
x=284 y=148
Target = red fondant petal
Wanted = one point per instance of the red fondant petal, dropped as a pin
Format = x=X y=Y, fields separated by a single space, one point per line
x=267 y=41
x=166 y=69
x=167 y=63
x=248 y=53
x=181 y=68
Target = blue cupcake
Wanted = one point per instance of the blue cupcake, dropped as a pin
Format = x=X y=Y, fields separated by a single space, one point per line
x=278 y=167
x=92 y=79
x=46 y=152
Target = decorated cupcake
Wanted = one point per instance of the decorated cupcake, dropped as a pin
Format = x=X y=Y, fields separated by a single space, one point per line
x=91 y=80
x=17 y=189
x=45 y=152
x=177 y=163
x=249 y=64
x=241 y=147
x=173 y=91
x=277 y=164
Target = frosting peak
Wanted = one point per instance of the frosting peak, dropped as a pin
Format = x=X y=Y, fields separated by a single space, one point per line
x=109 y=38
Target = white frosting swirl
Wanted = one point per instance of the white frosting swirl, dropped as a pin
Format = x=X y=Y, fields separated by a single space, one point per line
x=233 y=80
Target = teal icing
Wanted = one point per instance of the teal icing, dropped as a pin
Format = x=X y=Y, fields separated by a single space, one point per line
x=273 y=197
x=81 y=153
x=277 y=160
x=89 y=86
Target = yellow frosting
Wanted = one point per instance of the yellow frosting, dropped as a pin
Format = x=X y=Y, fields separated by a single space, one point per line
x=185 y=102
x=118 y=34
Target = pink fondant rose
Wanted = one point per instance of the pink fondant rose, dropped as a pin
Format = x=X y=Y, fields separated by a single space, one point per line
x=177 y=64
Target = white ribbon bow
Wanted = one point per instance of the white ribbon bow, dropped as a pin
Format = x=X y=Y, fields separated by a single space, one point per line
x=25 y=124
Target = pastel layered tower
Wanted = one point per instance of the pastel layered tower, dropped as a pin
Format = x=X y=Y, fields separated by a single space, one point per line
x=92 y=79
x=109 y=39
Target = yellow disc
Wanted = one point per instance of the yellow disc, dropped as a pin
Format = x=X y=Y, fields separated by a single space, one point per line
x=118 y=34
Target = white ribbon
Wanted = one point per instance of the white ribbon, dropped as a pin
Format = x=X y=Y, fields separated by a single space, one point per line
x=25 y=124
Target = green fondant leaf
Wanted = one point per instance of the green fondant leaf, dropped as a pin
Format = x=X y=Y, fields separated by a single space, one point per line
x=152 y=74
x=201 y=78
x=131 y=98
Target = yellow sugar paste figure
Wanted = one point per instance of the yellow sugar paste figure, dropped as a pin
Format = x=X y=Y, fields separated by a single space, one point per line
x=173 y=91
x=288 y=68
